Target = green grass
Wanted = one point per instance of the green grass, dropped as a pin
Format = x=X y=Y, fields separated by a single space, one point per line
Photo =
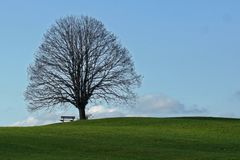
x=125 y=139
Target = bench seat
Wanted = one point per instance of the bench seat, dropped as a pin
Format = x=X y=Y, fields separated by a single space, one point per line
x=71 y=118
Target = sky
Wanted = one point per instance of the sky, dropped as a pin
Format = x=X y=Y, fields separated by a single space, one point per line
x=187 y=51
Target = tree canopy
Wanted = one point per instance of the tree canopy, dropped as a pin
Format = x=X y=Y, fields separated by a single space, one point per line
x=80 y=61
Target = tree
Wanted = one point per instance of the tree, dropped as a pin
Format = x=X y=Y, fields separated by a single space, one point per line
x=78 y=62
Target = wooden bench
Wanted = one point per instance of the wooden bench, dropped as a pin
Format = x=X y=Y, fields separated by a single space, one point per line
x=67 y=117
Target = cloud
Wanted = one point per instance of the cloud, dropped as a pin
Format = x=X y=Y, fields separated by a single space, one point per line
x=41 y=118
x=159 y=103
x=30 y=121
x=100 y=111
x=162 y=104
x=148 y=105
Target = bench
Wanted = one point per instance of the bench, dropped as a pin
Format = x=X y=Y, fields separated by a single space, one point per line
x=67 y=117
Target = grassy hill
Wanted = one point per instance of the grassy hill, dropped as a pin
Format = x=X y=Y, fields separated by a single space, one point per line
x=125 y=139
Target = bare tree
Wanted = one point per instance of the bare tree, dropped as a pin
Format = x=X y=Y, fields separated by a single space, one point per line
x=78 y=62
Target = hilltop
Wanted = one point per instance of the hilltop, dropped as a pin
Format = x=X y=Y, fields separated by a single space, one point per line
x=193 y=138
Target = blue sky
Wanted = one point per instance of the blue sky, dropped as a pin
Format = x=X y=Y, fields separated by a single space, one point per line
x=187 y=51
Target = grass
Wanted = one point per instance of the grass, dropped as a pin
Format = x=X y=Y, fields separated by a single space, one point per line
x=125 y=139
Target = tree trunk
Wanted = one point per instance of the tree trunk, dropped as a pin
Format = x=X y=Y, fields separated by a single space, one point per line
x=82 y=114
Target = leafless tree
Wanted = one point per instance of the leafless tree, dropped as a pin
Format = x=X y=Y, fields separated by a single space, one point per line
x=78 y=62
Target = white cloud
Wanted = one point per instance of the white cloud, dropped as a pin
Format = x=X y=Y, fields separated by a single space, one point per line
x=41 y=118
x=100 y=111
x=156 y=103
x=36 y=120
x=148 y=105
x=161 y=105
x=30 y=121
